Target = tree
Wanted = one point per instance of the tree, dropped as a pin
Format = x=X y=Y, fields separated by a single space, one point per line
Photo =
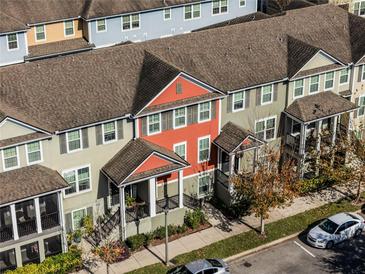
x=271 y=186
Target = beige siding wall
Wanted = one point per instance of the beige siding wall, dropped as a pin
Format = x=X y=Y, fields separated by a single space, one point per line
x=320 y=60
x=358 y=91
x=10 y=129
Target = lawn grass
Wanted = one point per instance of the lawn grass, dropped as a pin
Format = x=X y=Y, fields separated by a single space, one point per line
x=251 y=239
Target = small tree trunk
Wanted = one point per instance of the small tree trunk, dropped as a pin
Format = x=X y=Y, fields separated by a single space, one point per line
x=262 y=230
x=358 y=192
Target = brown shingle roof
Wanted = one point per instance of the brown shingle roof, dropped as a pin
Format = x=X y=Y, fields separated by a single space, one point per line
x=132 y=155
x=318 y=106
x=23 y=139
x=28 y=181
x=9 y=23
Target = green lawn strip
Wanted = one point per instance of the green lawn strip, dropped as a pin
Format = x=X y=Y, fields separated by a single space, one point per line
x=251 y=239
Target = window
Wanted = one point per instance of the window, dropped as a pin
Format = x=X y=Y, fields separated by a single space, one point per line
x=52 y=245
x=78 y=180
x=238 y=101
x=328 y=84
x=12 y=41
x=204 y=184
x=73 y=140
x=363 y=73
x=10 y=158
x=100 y=25
x=180 y=149
x=266 y=94
x=154 y=123
x=344 y=76
x=314 y=84
x=191 y=11
x=204 y=149
x=40 y=33
x=265 y=128
x=361 y=111
x=130 y=21
x=34 y=152
x=180 y=117
x=77 y=217
x=30 y=253
x=298 y=88
x=219 y=6
x=359 y=8
x=109 y=132
x=242 y=3
x=204 y=112
x=167 y=14
x=69 y=28
x=7 y=260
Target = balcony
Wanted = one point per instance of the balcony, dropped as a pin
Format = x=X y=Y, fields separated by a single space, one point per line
x=137 y=212
x=50 y=220
x=167 y=203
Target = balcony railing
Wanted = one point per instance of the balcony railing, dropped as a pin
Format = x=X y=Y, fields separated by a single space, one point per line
x=137 y=212
x=292 y=142
x=6 y=233
x=50 y=220
x=167 y=203
x=27 y=227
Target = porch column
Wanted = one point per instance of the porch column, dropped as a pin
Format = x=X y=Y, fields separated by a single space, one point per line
x=122 y=213
x=219 y=158
x=318 y=135
x=62 y=222
x=303 y=138
x=14 y=222
x=231 y=164
x=152 y=194
x=255 y=156
x=38 y=215
x=180 y=182
x=334 y=129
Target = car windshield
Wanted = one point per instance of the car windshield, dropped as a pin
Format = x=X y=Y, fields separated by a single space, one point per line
x=214 y=262
x=328 y=226
x=180 y=270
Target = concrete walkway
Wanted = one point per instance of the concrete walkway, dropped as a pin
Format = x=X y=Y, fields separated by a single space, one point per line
x=222 y=228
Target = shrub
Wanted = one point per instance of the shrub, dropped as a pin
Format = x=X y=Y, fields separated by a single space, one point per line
x=159 y=233
x=112 y=252
x=194 y=218
x=87 y=223
x=314 y=184
x=181 y=229
x=148 y=238
x=135 y=242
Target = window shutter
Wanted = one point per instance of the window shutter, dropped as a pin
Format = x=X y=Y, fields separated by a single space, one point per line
x=247 y=99
x=63 y=145
x=213 y=109
x=164 y=121
x=356 y=111
x=229 y=103
x=258 y=97
x=85 y=138
x=360 y=73
x=170 y=117
x=144 y=126
x=195 y=113
x=68 y=222
x=276 y=87
x=120 y=129
x=99 y=135
x=190 y=114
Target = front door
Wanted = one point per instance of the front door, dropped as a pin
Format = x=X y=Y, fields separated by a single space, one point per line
x=225 y=163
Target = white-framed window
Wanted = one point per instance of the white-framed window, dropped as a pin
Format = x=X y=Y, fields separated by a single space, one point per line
x=242 y=3
x=359 y=8
x=40 y=33
x=180 y=149
x=204 y=182
x=69 y=28
x=266 y=128
x=77 y=216
x=298 y=88
x=192 y=11
x=219 y=6
x=267 y=94
x=203 y=149
x=180 y=117
x=167 y=14
x=238 y=101
x=109 y=132
x=79 y=180
x=329 y=83
x=34 y=152
x=363 y=73
x=131 y=21
x=361 y=111
x=100 y=25
x=10 y=158
x=154 y=123
x=12 y=39
x=344 y=76
x=73 y=140
x=314 y=84
x=204 y=112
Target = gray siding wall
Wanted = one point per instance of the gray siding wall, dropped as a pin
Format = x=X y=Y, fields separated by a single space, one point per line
x=153 y=25
x=8 y=57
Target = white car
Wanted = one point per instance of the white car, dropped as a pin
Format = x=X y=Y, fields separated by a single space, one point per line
x=335 y=229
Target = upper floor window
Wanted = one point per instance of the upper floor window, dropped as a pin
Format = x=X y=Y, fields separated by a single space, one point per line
x=180 y=149
x=167 y=14
x=12 y=41
x=359 y=8
x=361 y=111
x=154 y=123
x=298 y=88
x=40 y=33
x=344 y=76
x=192 y=11
x=363 y=73
x=219 y=6
x=328 y=83
x=204 y=149
x=109 y=132
x=78 y=180
x=265 y=128
x=242 y=3
x=238 y=101
x=100 y=25
x=314 y=84
x=10 y=158
x=69 y=28
x=180 y=117
x=130 y=21
x=34 y=152
x=73 y=140
x=204 y=112
x=266 y=94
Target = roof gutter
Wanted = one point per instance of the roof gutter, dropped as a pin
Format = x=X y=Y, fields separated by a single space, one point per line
x=259 y=85
x=52 y=21
x=58 y=54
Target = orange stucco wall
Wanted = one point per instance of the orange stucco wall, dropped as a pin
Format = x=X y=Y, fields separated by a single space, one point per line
x=152 y=163
x=54 y=32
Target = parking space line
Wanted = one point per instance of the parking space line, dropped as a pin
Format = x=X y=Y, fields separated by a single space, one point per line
x=302 y=247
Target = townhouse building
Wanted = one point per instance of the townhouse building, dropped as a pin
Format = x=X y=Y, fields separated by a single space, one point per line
x=355 y=6
x=163 y=123
x=70 y=26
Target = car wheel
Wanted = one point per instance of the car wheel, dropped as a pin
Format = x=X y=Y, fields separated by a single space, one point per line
x=329 y=245
x=358 y=233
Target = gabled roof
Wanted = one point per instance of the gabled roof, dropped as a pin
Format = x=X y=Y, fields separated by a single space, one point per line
x=319 y=106
x=10 y=24
x=23 y=139
x=133 y=154
x=357 y=37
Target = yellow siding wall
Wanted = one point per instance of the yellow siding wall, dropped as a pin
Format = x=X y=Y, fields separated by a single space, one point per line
x=55 y=32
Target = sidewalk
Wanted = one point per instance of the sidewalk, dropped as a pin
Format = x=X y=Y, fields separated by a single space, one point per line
x=221 y=228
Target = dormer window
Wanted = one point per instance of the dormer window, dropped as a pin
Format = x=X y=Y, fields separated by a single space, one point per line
x=40 y=33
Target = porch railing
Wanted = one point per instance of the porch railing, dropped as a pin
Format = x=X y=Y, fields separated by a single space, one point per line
x=137 y=212
x=221 y=178
x=292 y=142
x=191 y=202
x=168 y=202
x=6 y=233
x=50 y=220
x=27 y=227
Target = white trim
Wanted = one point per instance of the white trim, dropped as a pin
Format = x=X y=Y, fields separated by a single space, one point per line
x=32 y=197
x=185 y=149
x=35 y=33
x=152 y=196
x=360 y=106
x=164 y=13
x=262 y=95
x=190 y=176
x=115 y=130
x=72 y=215
x=17 y=158
x=363 y=73
x=17 y=42
x=37 y=215
x=73 y=28
x=210 y=112
x=258 y=86
x=201 y=175
x=22 y=124
x=12 y=62
x=14 y=221
x=219 y=7
x=303 y=89
x=148 y=124
x=240 y=6
x=198 y=149
x=27 y=142
x=192 y=12
x=219 y=115
x=67 y=141
x=136 y=130
x=26 y=44
x=174 y=118
x=40 y=150
x=130 y=22
x=333 y=81
x=243 y=101
x=96 y=26
x=265 y=128
x=75 y=169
